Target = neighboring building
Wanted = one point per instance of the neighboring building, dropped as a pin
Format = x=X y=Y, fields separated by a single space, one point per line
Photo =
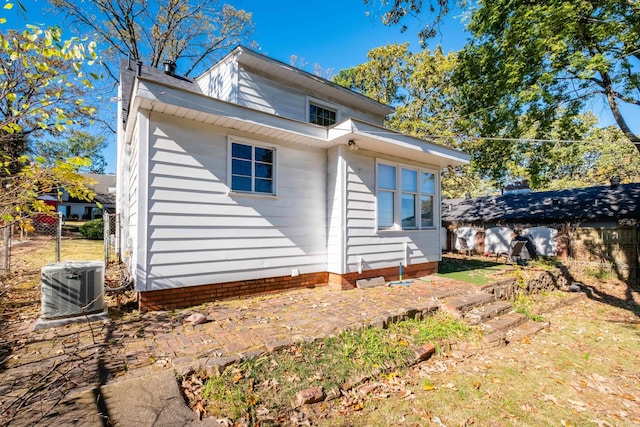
x=257 y=177
x=587 y=224
x=104 y=186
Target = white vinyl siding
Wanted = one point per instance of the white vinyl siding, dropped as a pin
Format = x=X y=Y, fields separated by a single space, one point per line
x=138 y=197
x=220 y=81
x=199 y=233
x=364 y=242
x=262 y=94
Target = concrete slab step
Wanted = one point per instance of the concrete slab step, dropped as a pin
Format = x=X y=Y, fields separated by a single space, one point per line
x=482 y=314
x=460 y=304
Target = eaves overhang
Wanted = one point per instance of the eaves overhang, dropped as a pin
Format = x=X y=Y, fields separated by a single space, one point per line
x=377 y=139
x=156 y=97
x=293 y=76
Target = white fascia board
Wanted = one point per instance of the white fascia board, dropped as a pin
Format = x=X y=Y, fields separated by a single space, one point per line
x=378 y=139
x=157 y=97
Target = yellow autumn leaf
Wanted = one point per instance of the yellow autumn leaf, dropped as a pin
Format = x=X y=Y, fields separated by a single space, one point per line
x=428 y=387
x=8 y=6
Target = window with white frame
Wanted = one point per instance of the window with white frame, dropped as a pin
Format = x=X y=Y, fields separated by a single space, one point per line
x=322 y=115
x=405 y=197
x=252 y=168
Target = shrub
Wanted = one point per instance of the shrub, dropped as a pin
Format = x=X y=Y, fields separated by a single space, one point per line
x=93 y=229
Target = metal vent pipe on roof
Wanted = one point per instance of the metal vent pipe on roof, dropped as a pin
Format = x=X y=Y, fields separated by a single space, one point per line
x=169 y=68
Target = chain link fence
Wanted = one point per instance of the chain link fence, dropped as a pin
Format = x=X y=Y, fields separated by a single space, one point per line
x=44 y=226
x=27 y=227
x=111 y=238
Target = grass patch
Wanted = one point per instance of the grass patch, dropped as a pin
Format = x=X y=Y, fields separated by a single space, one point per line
x=582 y=372
x=545 y=262
x=333 y=363
x=30 y=258
x=475 y=271
x=603 y=272
x=524 y=305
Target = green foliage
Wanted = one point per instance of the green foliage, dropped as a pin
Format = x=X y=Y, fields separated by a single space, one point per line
x=93 y=230
x=273 y=380
x=602 y=272
x=78 y=144
x=530 y=68
x=524 y=305
x=396 y=13
x=42 y=82
x=419 y=86
x=520 y=84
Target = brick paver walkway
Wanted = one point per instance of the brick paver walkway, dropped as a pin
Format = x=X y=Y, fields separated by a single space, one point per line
x=44 y=367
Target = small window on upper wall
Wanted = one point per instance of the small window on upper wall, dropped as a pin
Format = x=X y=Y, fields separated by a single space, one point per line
x=252 y=169
x=321 y=115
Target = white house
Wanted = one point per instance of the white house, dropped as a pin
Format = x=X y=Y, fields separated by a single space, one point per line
x=104 y=186
x=257 y=177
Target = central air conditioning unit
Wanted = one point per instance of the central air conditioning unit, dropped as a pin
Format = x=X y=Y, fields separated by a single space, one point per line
x=72 y=292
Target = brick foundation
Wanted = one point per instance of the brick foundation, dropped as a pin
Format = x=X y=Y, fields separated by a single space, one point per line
x=194 y=295
x=348 y=281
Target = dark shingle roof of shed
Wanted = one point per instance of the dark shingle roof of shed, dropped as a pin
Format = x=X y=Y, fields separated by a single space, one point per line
x=581 y=204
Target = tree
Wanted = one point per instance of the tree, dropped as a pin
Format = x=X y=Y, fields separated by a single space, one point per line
x=193 y=31
x=42 y=88
x=77 y=144
x=419 y=86
x=531 y=62
x=428 y=105
x=604 y=154
x=399 y=10
x=42 y=82
x=535 y=63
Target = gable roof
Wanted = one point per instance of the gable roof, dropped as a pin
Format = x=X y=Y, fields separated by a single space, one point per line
x=294 y=76
x=575 y=205
x=152 y=89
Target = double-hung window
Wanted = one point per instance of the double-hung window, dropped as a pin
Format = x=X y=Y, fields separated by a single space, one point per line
x=252 y=168
x=405 y=197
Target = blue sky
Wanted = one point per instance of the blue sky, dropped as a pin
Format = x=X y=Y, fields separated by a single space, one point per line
x=332 y=34
x=338 y=37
